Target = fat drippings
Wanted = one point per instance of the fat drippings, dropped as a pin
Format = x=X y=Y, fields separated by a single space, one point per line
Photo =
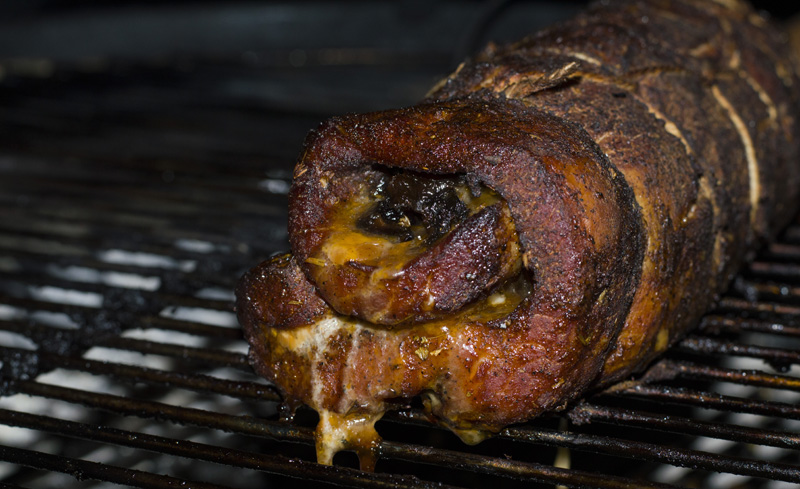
x=336 y=432
x=354 y=429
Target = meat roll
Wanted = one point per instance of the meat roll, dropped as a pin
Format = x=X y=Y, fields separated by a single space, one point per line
x=552 y=217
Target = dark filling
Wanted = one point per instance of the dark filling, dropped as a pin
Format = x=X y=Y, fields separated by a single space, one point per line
x=410 y=206
x=408 y=247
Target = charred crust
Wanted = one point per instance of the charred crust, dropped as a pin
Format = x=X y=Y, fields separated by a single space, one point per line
x=639 y=149
x=276 y=294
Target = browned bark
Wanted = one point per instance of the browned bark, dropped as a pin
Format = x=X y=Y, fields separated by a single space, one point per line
x=587 y=193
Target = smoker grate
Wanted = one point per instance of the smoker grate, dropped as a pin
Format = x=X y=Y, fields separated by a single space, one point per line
x=133 y=198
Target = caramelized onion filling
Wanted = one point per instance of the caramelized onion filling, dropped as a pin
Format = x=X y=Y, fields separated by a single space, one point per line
x=408 y=248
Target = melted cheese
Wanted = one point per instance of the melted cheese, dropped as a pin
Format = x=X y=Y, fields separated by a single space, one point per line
x=346 y=243
x=336 y=432
x=350 y=424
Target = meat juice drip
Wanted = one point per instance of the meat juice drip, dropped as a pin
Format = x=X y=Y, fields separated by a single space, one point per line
x=355 y=429
x=336 y=432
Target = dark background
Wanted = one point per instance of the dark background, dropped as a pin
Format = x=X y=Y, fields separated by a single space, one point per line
x=309 y=56
x=75 y=30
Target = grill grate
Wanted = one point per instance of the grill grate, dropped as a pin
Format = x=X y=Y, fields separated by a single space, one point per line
x=132 y=199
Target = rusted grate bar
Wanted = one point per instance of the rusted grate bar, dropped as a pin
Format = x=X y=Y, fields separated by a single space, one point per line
x=714 y=324
x=755 y=378
x=737 y=305
x=784 y=271
x=775 y=356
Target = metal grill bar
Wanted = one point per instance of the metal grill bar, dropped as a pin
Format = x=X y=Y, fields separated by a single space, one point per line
x=785 y=271
x=516 y=470
x=317 y=472
x=675 y=424
x=711 y=400
x=132 y=374
x=168 y=324
x=209 y=453
x=658 y=453
x=593 y=413
x=174 y=300
x=82 y=469
x=183 y=415
x=769 y=470
x=655 y=453
x=201 y=355
x=97 y=233
x=418 y=454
